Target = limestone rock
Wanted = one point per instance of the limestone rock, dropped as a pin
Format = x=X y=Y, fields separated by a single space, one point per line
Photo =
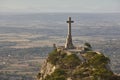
x=87 y=66
x=46 y=69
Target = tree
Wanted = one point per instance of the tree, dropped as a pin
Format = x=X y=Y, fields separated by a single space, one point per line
x=87 y=47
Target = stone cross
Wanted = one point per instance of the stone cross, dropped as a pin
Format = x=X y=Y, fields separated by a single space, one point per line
x=69 y=25
x=69 y=44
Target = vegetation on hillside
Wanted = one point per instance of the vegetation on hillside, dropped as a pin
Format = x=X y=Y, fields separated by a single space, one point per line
x=58 y=74
x=94 y=68
x=61 y=58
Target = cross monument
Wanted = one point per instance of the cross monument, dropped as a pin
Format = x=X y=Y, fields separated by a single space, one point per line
x=69 y=44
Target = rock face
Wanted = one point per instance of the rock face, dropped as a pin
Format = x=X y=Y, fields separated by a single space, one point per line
x=89 y=65
x=47 y=69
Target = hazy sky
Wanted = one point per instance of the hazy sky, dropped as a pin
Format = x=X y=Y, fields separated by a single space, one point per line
x=60 y=6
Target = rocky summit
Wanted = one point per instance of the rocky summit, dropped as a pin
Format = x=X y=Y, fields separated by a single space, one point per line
x=76 y=63
x=68 y=65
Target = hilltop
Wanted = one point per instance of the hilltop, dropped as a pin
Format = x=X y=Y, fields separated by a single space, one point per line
x=70 y=62
x=68 y=65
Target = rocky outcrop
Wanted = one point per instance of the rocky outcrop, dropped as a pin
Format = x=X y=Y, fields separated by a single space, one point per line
x=67 y=65
x=46 y=69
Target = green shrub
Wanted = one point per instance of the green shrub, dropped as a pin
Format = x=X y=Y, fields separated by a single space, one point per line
x=58 y=74
x=53 y=57
x=71 y=61
x=102 y=73
x=87 y=44
x=90 y=54
x=88 y=47
x=99 y=60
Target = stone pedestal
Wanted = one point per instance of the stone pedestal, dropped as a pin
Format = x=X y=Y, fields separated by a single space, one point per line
x=69 y=44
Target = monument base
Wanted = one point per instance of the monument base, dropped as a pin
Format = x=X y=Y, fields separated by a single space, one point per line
x=69 y=44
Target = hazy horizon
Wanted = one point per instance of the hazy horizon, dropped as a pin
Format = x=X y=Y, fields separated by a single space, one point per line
x=31 y=13
x=74 y=6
